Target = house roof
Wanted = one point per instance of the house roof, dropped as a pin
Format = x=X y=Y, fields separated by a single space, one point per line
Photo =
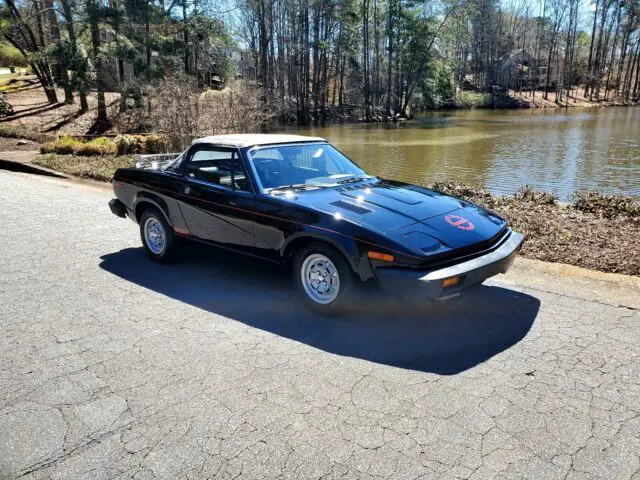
x=543 y=54
x=243 y=140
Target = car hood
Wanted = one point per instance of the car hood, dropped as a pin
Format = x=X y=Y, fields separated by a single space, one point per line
x=412 y=215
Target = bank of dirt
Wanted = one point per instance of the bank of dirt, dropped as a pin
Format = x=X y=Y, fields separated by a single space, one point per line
x=595 y=231
x=18 y=145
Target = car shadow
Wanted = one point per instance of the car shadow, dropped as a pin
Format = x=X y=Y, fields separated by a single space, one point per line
x=439 y=337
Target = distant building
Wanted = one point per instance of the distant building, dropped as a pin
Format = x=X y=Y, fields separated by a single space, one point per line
x=202 y=58
x=243 y=61
x=522 y=70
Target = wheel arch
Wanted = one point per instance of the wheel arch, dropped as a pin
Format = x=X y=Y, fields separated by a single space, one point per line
x=347 y=247
x=146 y=200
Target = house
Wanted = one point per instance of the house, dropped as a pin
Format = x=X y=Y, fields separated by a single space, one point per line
x=520 y=70
x=243 y=61
x=203 y=57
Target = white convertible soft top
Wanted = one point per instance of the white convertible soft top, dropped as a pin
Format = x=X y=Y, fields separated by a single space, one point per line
x=242 y=140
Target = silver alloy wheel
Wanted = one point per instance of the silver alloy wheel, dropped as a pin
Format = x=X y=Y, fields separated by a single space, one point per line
x=154 y=235
x=320 y=278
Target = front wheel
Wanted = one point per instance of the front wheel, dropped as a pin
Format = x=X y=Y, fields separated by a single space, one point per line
x=323 y=278
x=157 y=235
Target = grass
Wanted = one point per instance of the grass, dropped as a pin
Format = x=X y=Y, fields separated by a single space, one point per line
x=99 y=168
x=20 y=131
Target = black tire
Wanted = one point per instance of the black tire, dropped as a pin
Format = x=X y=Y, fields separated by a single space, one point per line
x=167 y=252
x=345 y=289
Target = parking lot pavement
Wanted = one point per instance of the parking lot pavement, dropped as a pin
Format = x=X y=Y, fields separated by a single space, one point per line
x=114 y=367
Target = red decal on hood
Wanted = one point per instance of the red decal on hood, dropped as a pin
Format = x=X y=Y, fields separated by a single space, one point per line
x=459 y=222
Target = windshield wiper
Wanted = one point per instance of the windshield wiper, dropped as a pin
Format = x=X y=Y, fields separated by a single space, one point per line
x=289 y=187
x=353 y=180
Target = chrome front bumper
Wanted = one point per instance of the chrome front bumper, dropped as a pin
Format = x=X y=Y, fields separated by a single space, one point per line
x=429 y=283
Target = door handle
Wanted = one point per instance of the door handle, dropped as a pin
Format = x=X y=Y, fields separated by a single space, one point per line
x=232 y=203
x=187 y=189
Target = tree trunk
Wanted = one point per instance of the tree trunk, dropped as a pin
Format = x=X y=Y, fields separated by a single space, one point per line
x=185 y=33
x=147 y=42
x=77 y=65
x=613 y=54
x=365 y=59
x=97 y=60
x=390 y=61
x=589 y=65
x=61 y=64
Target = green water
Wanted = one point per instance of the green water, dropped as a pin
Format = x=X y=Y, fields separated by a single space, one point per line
x=555 y=150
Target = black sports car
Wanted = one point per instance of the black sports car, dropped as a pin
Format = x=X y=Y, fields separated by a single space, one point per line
x=299 y=201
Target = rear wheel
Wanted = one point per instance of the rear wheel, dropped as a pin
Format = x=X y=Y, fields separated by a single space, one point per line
x=157 y=235
x=323 y=278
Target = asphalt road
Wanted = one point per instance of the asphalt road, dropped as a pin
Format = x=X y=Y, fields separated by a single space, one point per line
x=114 y=367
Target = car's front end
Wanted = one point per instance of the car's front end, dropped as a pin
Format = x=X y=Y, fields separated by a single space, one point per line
x=415 y=242
x=445 y=276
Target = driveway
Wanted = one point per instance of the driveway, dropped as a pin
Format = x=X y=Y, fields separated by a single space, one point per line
x=114 y=367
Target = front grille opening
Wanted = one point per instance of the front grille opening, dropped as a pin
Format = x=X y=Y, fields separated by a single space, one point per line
x=463 y=254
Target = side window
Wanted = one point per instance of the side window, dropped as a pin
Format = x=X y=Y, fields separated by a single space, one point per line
x=218 y=166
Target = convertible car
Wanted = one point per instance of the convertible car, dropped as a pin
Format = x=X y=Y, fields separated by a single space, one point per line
x=298 y=201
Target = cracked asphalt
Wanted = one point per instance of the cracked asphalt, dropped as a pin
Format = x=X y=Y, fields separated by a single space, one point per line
x=114 y=367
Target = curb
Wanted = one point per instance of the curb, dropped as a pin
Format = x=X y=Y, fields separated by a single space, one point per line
x=561 y=279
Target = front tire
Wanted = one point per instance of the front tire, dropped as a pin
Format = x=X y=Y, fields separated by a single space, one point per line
x=157 y=236
x=323 y=278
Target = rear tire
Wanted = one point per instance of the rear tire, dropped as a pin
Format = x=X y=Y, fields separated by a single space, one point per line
x=323 y=278
x=157 y=236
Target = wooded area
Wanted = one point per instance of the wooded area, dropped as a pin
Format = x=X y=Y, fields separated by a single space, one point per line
x=313 y=60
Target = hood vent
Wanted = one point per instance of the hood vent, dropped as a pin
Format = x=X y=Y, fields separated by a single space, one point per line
x=358 y=186
x=352 y=207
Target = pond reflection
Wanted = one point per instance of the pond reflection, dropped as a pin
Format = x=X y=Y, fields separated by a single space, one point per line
x=555 y=150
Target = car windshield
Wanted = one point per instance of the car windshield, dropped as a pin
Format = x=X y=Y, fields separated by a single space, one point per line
x=313 y=165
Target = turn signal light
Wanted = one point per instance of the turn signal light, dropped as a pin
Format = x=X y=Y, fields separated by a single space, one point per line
x=450 y=282
x=380 y=256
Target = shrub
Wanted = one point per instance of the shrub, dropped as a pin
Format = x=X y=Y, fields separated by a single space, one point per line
x=10 y=56
x=140 y=144
x=5 y=107
x=155 y=144
x=607 y=206
x=472 y=100
x=91 y=149
x=527 y=193
x=67 y=145
x=181 y=111
x=101 y=141
x=48 y=147
x=123 y=144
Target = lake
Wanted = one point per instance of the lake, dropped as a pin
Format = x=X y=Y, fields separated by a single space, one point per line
x=556 y=150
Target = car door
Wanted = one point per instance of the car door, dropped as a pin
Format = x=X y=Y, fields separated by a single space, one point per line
x=218 y=198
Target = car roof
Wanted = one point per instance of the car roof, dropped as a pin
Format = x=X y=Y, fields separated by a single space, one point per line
x=242 y=140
